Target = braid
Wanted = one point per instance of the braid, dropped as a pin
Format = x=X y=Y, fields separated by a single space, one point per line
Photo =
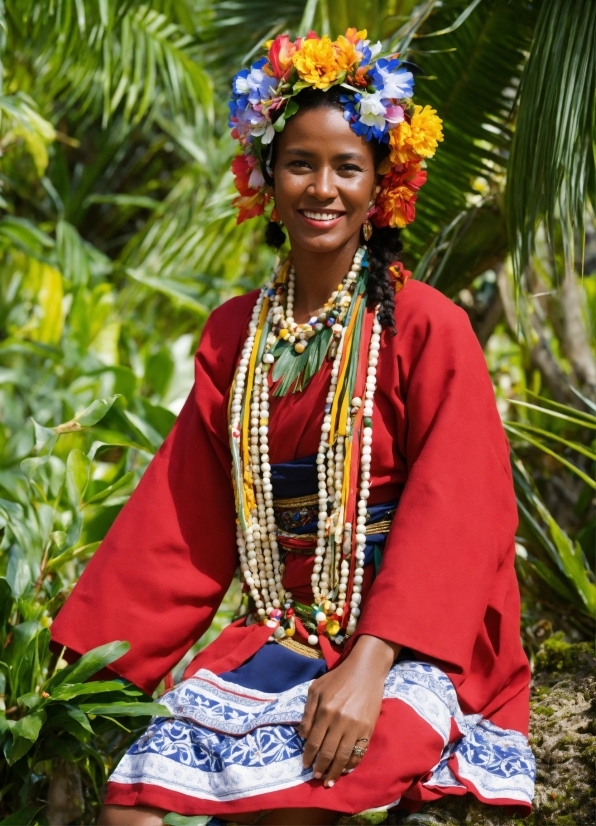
x=383 y=248
x=274 y=235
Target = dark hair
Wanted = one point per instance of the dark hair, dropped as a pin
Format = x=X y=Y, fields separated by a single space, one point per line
x=384 y=245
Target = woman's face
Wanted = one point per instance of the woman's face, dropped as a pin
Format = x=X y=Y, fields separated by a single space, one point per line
x=324 y=179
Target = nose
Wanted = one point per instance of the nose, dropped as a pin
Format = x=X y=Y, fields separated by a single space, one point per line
x=322 y=187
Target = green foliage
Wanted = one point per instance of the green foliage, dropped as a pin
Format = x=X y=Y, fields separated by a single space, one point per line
x=552 y=168
x=117 y=238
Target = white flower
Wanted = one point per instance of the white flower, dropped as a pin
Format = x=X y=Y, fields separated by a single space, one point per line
x=372 y=110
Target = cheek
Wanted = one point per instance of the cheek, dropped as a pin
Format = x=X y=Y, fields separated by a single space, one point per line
x=289 y=187
x=357 y=196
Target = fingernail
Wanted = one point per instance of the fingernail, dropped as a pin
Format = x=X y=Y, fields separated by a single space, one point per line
x=330 y=783
x=318 y=775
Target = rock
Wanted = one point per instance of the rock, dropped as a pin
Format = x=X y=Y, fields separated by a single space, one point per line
x=563 y=738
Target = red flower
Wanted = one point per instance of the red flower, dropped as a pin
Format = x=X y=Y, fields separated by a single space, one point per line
x=281 y=51
x=280 y=56
x=249 y=181
x=395 y=203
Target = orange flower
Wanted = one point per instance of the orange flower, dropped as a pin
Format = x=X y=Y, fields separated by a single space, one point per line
x=418 y=138
x=346 y=53
x=250 y=183
x=353 y=35
x=395 y=203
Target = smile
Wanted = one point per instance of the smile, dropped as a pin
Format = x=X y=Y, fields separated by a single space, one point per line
x=321 y=217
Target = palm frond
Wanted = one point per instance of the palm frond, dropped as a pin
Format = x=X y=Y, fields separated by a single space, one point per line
x=97 y=57
x=552 y=169
x=469 y=77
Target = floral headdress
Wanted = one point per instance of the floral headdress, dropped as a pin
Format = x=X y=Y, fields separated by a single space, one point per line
x=377 y=104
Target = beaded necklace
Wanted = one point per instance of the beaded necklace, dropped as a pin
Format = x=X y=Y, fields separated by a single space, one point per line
x=339 y=555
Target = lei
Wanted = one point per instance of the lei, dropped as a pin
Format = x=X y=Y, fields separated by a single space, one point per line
x=377 y=104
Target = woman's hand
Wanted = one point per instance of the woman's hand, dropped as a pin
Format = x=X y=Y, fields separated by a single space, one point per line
x=343 y=707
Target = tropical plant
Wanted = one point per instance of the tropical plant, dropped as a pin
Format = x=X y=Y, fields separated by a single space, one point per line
x=117 y=237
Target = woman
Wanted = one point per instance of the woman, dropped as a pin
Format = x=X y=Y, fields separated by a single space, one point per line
x=342 y=445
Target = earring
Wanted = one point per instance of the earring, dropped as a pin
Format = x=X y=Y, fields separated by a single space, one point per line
x=367 y=230
x=275 y=215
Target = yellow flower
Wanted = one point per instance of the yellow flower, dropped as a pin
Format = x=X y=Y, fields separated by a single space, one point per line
x=417 y=139
x=316 y=62
x=346 y=53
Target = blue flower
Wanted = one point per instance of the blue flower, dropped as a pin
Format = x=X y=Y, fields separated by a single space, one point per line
x=254 y=83
x=391 y=81
x=367 y=51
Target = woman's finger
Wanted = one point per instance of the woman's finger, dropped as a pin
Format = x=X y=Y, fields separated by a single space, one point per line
x=343 y=756
x=354 y=759
x=310 y=710
x=314 y=742
x=327 y=752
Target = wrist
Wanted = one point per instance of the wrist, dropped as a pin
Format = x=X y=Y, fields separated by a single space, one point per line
x=376 y=654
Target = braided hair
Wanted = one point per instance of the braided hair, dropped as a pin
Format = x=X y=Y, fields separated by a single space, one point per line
x=384 y=245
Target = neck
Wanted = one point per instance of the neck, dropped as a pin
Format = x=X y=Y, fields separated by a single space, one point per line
x=317 y=276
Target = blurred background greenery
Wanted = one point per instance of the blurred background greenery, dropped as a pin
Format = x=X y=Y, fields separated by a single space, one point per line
x=117 y=237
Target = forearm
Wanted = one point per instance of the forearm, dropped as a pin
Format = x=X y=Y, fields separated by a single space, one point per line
x=373 y=656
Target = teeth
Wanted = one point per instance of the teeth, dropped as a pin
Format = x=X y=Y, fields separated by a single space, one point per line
x=321 y=216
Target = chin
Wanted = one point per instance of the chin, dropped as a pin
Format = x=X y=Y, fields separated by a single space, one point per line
x=323 y=242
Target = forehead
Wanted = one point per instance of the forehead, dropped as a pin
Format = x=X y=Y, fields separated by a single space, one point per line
x=322 y=131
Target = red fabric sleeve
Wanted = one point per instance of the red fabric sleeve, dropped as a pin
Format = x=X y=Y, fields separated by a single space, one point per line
x=456 y=520
x=161 y=573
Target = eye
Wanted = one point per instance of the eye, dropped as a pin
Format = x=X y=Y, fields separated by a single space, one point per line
x=298 y=164
x=350 y=167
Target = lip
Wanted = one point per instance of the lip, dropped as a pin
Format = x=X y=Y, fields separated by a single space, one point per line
x=324 y=224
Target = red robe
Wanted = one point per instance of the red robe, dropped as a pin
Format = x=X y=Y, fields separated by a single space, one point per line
x=446 y=587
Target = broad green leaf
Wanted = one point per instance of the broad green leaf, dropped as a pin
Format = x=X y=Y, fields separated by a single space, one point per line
x=81 y=551
x=68 y=691
x=18 y=573
x=121 y=484
x=122 y=709
x=29 y=726
x=30 y=700
x=89 y=664
x=95 y=412
x=77 y=476
x=79 y=717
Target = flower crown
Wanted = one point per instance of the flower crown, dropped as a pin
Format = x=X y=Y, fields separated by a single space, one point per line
x=377 y=104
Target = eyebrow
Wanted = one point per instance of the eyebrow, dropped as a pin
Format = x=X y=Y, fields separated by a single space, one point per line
x=341 y=156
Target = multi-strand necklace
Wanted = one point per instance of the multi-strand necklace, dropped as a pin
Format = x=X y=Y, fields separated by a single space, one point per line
x=341 y=537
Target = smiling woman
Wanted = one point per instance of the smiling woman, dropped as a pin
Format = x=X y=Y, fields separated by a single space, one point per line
x=342 y=447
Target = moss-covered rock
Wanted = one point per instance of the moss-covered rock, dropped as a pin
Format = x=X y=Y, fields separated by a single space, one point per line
x=563 y=738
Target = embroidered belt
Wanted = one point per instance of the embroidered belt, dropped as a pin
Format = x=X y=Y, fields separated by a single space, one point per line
x=296 y=513
x=291 y=514
x=305 y=542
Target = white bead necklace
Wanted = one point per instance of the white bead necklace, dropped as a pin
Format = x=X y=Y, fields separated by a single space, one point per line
x=256 y=530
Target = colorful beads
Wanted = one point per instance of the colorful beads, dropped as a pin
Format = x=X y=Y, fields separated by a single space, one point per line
x=256 y=529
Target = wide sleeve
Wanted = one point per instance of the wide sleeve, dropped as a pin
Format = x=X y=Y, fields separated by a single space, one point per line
x=456 y=519
x=161 y=572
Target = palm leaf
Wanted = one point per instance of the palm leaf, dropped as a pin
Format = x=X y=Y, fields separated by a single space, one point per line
x=552 y=168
